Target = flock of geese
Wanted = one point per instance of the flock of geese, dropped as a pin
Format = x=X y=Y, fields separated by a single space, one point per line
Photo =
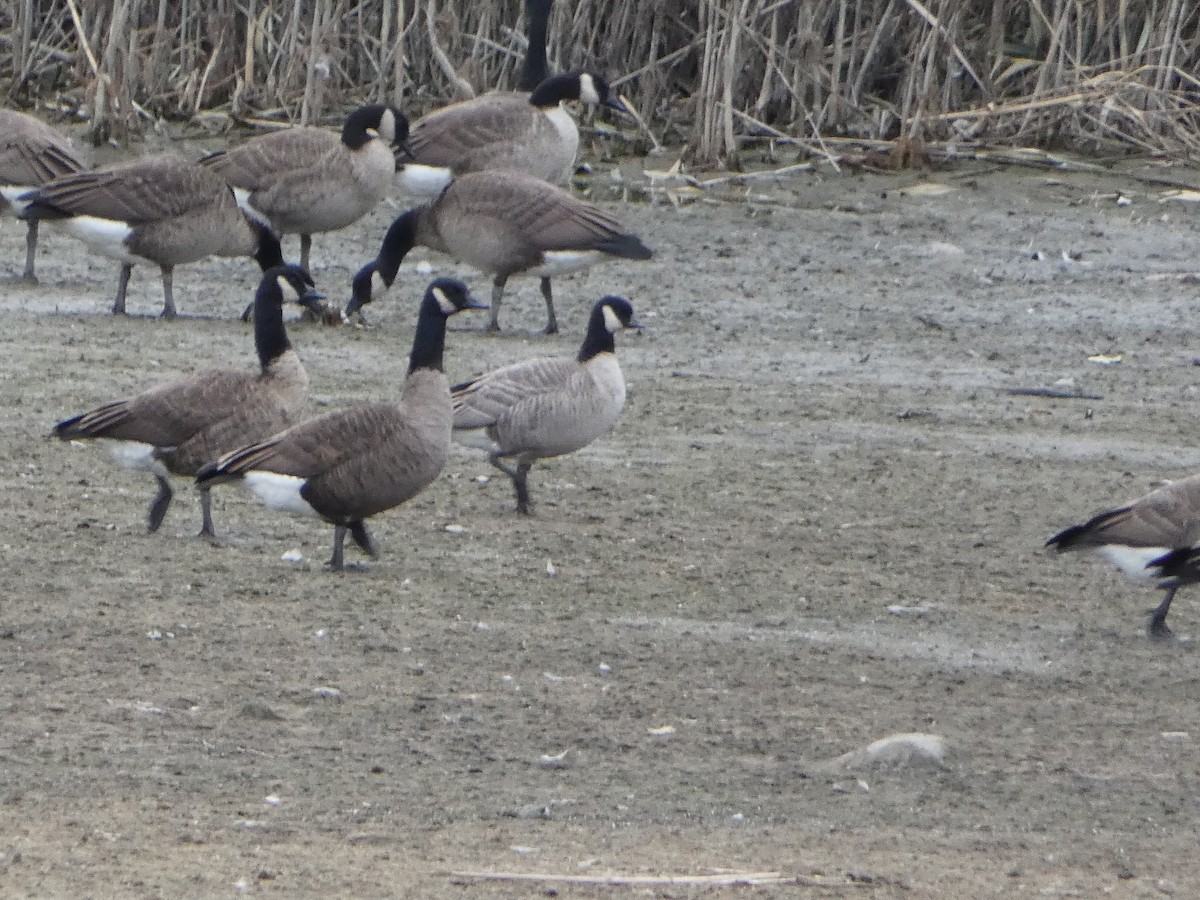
x=487 y=173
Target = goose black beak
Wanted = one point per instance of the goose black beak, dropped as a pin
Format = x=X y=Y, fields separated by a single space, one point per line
x=618 y=104
x=311 y=300
x=474 y=302
x=635 y=325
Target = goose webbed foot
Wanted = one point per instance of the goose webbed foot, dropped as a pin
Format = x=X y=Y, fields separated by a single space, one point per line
x=1157 y=627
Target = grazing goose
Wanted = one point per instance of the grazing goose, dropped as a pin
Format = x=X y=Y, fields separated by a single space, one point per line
x=31 y=153
x=547 y=407
x=157 y=209
x=348 y=465
x=1158 y=531
x=178 y=427
x=307 y=180
x=531 y=133
x=502 y=223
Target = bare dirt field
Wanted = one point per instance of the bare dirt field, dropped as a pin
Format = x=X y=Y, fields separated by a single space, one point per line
x=818 y=523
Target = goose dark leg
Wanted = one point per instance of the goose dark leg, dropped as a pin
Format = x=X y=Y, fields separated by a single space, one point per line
x=158 y=509
x=497 y=296
x=551 y=320
x=168 y=277
x=358 y=531
x=122 y=284
x=1157 y=627
x=206 y=527
x=305 y=249
x=521 y=484
x=339 y=539
x=31 y=236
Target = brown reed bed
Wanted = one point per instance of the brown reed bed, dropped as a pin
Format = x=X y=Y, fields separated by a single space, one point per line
x=710 y=77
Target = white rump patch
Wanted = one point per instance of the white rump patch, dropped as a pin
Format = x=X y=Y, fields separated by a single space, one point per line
x=280 y=492
x=104 y=236
x=12 y=193
x=134 y=455
x=423 y=181
x=565 y=262
x=1133 y=560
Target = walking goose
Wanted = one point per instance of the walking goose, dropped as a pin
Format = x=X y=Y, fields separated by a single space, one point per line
x=547 y=407
x=157 y=209
x=531 y=133
x=349 y=465
x=177 y=427
x=1159 y=531
x=503 y=223
x=307 y=180
x=31 y=153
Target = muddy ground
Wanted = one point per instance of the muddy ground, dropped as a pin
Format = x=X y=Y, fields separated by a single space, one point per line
x=818 y=523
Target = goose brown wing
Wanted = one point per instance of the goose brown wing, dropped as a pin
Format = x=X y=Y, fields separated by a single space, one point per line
x=483 y=401
x=1166 y=517
x=36 y=157
x=455 y=136
x=261 y=161
x=137 y=192
x=165 y=416
x=314 y=446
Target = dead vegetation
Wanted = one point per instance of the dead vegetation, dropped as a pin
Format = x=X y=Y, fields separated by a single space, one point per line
x=713 y=77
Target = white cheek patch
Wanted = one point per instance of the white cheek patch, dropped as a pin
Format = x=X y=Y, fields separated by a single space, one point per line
x=379 y=287
x=12 y=195
x=1133 y=560
x=104 y=236
x=444 y=302
x=611 y=320
x=587 y=89
x=290 y=294
x=281 y=492
x=387 y=126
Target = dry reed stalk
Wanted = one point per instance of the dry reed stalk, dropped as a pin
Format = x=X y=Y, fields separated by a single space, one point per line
x=713 y=75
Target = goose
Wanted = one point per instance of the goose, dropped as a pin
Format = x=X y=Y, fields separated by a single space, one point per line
x=1158 y=531
x=348 y=465
x=177 y=427
x=31 y=153
x=307 y=180
x=547 y=407
x=503 y=223
x=156 y=209
x=531 y=133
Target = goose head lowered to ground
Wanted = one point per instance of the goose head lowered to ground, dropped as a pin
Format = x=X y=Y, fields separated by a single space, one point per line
x=351 y=464
x=177 y=427
x=547 y=407
x=306 y=180
x=502 y=223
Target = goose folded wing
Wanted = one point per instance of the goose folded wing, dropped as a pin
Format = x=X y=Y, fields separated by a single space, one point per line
x=482 y=401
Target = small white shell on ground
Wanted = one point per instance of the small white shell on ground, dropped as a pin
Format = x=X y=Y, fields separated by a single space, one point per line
x=455 y=529
x=327 y=693
x=554 y=761
x=293 y=556
x=661 y=730
x=897 y=751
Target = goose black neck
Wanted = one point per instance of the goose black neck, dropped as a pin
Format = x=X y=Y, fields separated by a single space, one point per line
x=270 y=338
x=400 y=238
x=598 y=338
x=429 y=342
x=537 y=21
x=554 y=90
x=270 y=251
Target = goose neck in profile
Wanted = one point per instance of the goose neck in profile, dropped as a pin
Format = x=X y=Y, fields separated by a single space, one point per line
x=268 y=251
x=401 y=237
x=554 y=90
x=598 y=339
x=429 y=341
x=537 y=21
x=270 y=337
